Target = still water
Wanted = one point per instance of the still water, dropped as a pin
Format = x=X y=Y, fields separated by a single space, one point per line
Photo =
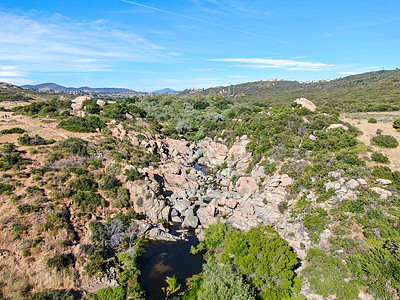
x=163 y=259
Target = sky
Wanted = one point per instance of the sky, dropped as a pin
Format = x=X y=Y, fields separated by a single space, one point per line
x=147 y=45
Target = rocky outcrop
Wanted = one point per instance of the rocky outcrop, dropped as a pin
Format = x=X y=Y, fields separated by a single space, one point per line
x=143 y=195
x=306 y=103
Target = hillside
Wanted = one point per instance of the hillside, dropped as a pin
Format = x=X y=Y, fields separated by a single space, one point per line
x=55 y=87
x=288 y=202
x=379 y=89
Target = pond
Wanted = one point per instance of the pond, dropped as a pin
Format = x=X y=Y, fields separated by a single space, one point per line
x=163 y=259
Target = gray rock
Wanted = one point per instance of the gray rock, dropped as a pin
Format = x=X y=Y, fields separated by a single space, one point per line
x=191 y=220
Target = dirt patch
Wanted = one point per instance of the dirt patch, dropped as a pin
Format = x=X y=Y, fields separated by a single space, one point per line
x=46 y=128
x=385 y=124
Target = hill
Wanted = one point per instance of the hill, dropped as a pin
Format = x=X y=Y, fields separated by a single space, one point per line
x=166 y=91
x=55 y=87
x=372 y=91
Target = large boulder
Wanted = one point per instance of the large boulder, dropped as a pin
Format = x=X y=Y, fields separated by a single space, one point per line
x=143 y=197
x=306 y=103
x=180 y=186
x=246 y=186
x=213 y=153
x=191 y=220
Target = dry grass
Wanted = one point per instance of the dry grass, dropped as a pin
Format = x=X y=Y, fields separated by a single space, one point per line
x=385 y=122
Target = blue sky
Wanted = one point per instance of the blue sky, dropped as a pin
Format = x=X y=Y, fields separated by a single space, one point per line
x=147 y=44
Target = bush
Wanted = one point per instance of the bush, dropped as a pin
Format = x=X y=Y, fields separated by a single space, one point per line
x=53 y=295
x=109 y=182
x=84 y=183
x=380 y=158
x=223 y=282
x=262 y=255
x=26 y=140
x=396 y=124
x=372 y=120
x=87 y=200
x=75 y=146
x=61 y=261
x=12 y=130
x=5 y=188
x=133 y=174
x=327 y=276
x=386 y=141
x=117 y=293
x=82 y=124
x=200 y=105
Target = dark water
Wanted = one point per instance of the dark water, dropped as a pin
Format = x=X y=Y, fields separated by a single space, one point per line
x=164 y=259
x=202 y=169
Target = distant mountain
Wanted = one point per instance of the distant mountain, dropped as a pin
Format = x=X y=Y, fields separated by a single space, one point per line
x=49 y=86
x=166 y=91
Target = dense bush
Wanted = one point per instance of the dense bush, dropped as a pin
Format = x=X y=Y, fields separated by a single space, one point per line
x=133 y=174
x=61 y=261
x=26 y=140
x=117 y=293
x=5 y=188
x=53 y=295
x=380 y=158
x=372 y=120
x=386 y=141
x=87 y=200
x=75 y=146
x=12 y=130
x=328 y=275
x=222 y=282
x=109 y=182
x=379 y=269
x=82 y=124
x=84 y=183
x=396 y=124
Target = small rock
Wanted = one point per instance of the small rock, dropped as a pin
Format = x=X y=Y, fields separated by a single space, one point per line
x=384 y=194
x=352 y=184
x=362 y=181
x=312 y=137
x=333 y=126
x=384 y=181
x=286 y=180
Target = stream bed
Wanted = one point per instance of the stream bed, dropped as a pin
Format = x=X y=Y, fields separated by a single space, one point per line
x=163 y=259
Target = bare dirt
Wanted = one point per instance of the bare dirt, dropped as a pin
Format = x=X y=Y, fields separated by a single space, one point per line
x=369 y=130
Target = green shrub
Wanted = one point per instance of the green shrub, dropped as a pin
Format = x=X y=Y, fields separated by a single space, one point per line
x=109 y=182
x=328 y=275
x=380 y=158
x=26 y=140
x=84 y=183
x=61 y=261
x=82 y=124
x=117 y=293
x=27 y=208
x=372 y=120
x=223 y=282
x=53 y=295
x=396 y=124
x=262 y=255
x=200 y=105
x=6 y=188
x=87 y=200
x=133 y=174
x=386 y=141
x=75 y=146
x=12 y=130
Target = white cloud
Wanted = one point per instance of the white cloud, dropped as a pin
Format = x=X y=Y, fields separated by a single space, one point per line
x=261 y=63
x=59 y=44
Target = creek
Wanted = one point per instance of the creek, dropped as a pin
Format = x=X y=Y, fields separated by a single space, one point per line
x=163 y=259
